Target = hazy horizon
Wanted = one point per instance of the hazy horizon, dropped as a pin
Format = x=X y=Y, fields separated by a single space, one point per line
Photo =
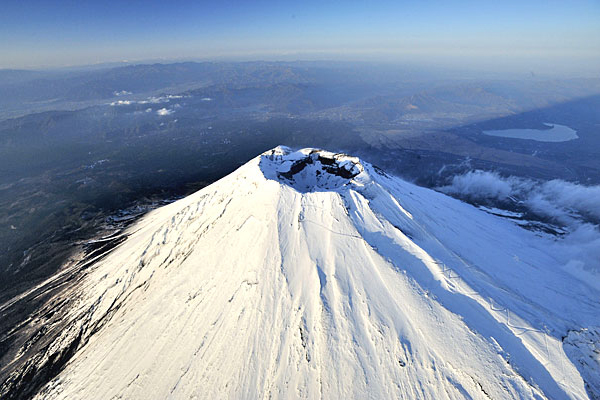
x=537 y=36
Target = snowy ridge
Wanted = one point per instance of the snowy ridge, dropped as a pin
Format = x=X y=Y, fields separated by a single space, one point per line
x=312 y=275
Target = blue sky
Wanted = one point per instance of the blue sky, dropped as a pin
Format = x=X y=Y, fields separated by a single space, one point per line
x=59 y=33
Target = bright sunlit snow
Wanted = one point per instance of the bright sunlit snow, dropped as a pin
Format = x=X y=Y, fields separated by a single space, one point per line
x=314 y=275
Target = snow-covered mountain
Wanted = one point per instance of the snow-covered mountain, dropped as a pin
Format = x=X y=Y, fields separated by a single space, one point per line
x=310 y=274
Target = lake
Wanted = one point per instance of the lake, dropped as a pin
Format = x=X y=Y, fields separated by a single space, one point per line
x=557 y=133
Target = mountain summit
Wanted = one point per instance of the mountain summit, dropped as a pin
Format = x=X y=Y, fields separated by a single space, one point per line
x=311 y=274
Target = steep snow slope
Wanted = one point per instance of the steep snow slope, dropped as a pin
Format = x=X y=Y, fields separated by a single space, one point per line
x=313 y=275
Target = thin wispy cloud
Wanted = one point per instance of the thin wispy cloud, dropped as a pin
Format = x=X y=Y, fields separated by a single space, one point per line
x=121 y=93
x=150 y=100
x=122 y=103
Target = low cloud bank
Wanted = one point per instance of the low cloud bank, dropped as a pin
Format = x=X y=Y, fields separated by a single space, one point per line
x=575 y=207
x=559 y=200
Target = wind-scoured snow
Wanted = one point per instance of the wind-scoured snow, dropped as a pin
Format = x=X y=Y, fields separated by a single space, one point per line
x=314 y=275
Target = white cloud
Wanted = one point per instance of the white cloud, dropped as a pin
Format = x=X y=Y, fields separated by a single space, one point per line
x=164 y=111
x=568 y=196
x=574 y=206
x=556 y=199
x=484 y=185
x=121 y=103
x=161 y=99
x=478 y=185
x=149 y=100
x=581 y=249
x=121 y=93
